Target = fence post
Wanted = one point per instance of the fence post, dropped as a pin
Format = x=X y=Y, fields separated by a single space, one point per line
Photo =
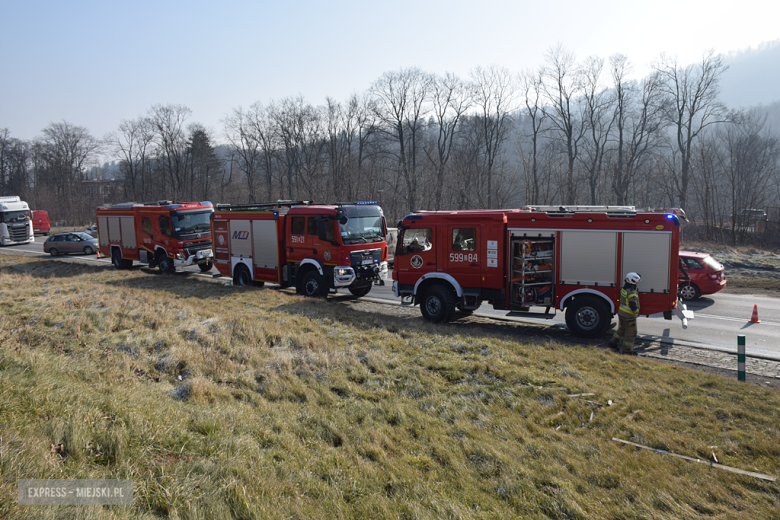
x=741 y=357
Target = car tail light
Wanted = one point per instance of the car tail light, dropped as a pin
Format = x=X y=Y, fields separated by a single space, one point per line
x=714 y=276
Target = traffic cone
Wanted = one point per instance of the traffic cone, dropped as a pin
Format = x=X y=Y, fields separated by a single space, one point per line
x=755 y=319
x=98 y=254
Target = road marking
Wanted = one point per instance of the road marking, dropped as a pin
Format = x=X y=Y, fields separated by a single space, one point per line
x=728 y=318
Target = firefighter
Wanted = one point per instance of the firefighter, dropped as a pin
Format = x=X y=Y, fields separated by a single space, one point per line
x=416 y=247
x=624 y=336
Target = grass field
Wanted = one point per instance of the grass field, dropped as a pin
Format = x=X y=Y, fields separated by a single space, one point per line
x=221 y=402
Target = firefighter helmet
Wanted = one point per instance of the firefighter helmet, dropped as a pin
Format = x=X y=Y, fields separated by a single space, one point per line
x=633 y=278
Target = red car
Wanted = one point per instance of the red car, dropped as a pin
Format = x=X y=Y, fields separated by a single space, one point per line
x=704 y=275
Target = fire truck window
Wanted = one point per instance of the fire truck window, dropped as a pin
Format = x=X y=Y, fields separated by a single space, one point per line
x=416 y=241
x=312 y=227
x=146 y=225
x=165 y=226
x=329 y=234
x=298 y=225
x=464 y=239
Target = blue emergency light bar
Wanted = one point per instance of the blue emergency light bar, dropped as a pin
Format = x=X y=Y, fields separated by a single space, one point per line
x=354 y=203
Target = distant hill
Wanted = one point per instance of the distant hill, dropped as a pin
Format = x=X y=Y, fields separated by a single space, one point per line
x=753 y=76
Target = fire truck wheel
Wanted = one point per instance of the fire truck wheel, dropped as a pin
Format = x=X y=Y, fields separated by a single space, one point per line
x=312 y=284
x=357 y=292
x=689 y=291
x=438 y=304
x=242 y=277
x=206 y=266
x=116 y=258
x=165 y=264
x=587 y=317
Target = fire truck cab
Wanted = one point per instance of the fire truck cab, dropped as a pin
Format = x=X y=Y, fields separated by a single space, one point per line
x=538 y=260
x=165 y=234
x=314 y=248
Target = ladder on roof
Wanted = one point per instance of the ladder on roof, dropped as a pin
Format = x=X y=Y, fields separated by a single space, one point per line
x=582 y=209
x=264 y=205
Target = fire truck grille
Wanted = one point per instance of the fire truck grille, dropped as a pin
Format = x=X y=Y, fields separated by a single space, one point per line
x=190 y=248
x=19 y=233
x=368 y=257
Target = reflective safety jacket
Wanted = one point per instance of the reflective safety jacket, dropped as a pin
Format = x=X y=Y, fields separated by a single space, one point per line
x=626 y=297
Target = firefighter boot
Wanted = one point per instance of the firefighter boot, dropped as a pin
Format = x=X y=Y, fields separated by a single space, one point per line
x=627 y=346
x=617 y=337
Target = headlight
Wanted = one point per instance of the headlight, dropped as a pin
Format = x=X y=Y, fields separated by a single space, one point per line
x=179 y=255
x=342 y=272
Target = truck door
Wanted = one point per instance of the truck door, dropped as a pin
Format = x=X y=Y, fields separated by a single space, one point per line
x=465 y=250
x=416 y=253
x=296 y=241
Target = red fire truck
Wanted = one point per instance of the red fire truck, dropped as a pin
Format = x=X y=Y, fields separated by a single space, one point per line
x=314 y=248
x=165 y=234
x=537 y=260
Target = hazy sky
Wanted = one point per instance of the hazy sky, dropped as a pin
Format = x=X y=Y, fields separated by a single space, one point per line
x=96 y=63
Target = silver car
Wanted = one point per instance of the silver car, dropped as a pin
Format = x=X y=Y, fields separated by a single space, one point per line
x=76 y=242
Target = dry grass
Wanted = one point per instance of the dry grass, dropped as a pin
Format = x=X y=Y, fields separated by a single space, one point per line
x=222 y=402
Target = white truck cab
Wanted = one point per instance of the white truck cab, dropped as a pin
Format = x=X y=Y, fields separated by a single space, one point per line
x=16 y=226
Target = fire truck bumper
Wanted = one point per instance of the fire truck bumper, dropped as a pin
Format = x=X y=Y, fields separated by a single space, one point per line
x=197 y=258
x=343 y=276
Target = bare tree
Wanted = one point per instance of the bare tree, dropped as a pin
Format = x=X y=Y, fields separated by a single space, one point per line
x=531 y=92
x=494 y=96
x=638 y=122
x=132 y=145
x=265 y=133
x=710 y=188
x=401 y=102
x=599 y=116
x=693 y=106
x=350 y=126
x=298 y=127
x=562 y=86
x=171 y=138
x=245 y=141
x=5 y=145
x=450 y=98
x=65 y=151
x=14 y=166
x=751 y=169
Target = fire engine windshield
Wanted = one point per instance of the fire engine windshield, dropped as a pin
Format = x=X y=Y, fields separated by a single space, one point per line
x=186 y=223
x=361 y=229
x=14 y=216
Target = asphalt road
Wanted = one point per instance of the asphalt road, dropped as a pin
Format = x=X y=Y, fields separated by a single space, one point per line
x=37 y=247
x=718 y=318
